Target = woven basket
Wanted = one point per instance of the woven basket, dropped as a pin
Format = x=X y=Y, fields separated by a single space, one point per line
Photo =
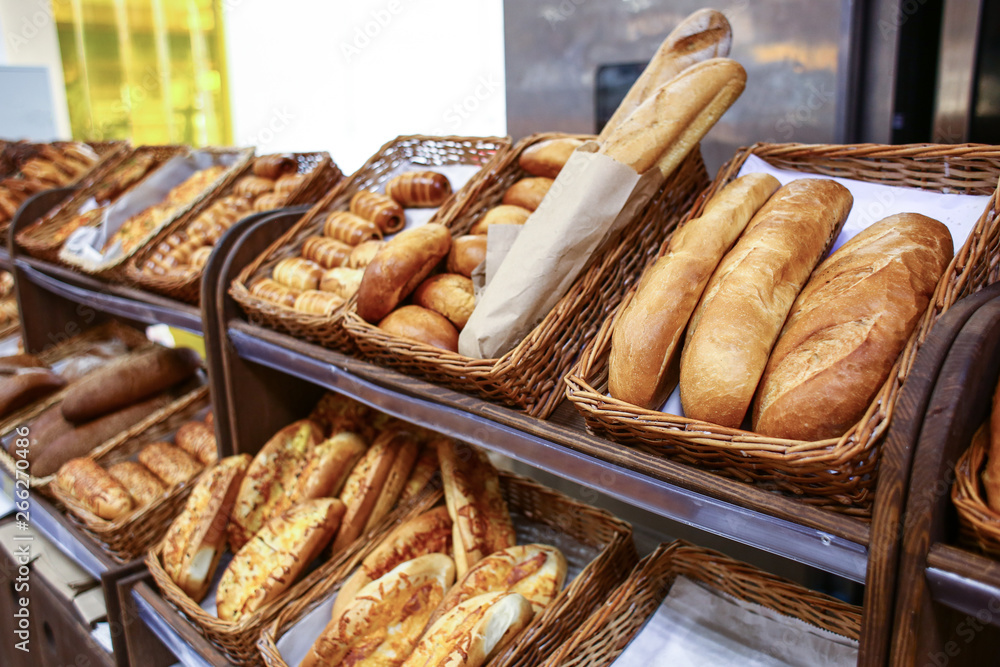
x=527 y=499
x=39 y=238
x=529 y=376
x=322 y=175
x=603 y=637
x=239 y=640
x=979 y=525
x=399 y=155
x=130 y=536
x=838 y=474
x=115 y=269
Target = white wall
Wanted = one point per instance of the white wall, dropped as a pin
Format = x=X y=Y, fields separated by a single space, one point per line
x=346 y=77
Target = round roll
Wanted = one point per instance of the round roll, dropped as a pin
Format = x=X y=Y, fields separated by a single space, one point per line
x=363 y=254
x=315 y=302
x=528 y=192
x=381 y=209
x=467 y=252
x=342 y=281
x=422 y=325
x=504 y=214
x=326 y=252
x=419 y=189
x=350 y=228
x=546 y=158
x=275 y=292
x=449 y=294
x=298 y=273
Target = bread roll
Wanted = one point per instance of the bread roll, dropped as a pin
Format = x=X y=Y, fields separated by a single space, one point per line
x=253 y=186
x=546 y=158
x=419 y=189
x=528 y=192
x=170 y=463
x=316 y=302
x=329 y=465
x=504 y=214
x=199 y=258
x=363 y=254
x=425 y=534
x=198 y=439
x=275 y=292
x=273 y=166
x=264 y=492
x=337 y=413
x=450 y=295
x=196 y=539
x=645 y=344
x=748 y=297
x=350 y=228
x=96 y=490
x=385 y=620
x=141 y=484
x=467 y=252
x=477 y=507
x=297 y=273
x=848 y=326
x=399 y=267
x=408 y=448
x=423 y=472
x=269 y=202
x=673 y=119
x=289 y=183
x=326 y=252
x=27 y=386
x=342 y=281
x=472 y=633
x=422 y=325
x=702 y=35
x=268 y=565
x=383 y=210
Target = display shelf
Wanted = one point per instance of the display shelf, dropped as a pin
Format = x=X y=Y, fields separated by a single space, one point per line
x=964 y=581
x=176 y=634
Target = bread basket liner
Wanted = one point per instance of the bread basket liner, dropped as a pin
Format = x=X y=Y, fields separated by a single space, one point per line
x=978 y=523
x=322 y=174
x=595 y=531
x=38 y=239
x=132 y=338
x=114 y=267
x=417 y=151
x=130 y=536
x=837 y=473
x=599 y=640
x=529 y=377
x=239 y=640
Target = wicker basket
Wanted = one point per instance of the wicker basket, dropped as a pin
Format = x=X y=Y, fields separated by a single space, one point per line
x=529 y=502
x=603 y=637
x=399 y=155
x=322 y=175
x=130 y=536
x=979 y=525
x=529 y=376
x=838 y=474
x=39 y=238
x=115 y=269
x=239 y=640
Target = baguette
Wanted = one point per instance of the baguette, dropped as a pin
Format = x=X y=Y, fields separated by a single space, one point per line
x=645 y=343
x=266 y=488
x=265 y=567
x=848 y=326
x=198 y=439
x=702 y=35
x=195 y=540
x=748 y=298
x=27 y=386
x=127 y=381
x=96 y=490
x=329 y=465
x=170 y=463
x=141 y=484
x=84 y=438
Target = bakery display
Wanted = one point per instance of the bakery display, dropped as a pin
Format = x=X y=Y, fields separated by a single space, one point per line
x=42 y=167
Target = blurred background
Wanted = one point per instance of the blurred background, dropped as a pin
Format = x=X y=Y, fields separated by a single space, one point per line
x=346 y=77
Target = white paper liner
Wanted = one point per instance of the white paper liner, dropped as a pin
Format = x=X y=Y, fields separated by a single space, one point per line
x=696 y=626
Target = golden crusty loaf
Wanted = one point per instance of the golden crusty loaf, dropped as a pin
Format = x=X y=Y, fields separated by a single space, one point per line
x=848 y=326
x=328 y=466
x=273 y=473
x=141 y=484
x=270 y=563
x=528 y=192
x=702 y=35
x=198 y=439
x=398 y=267
x=547 y=158
x=645 y=344
x=169 y=462
x=423 y=325
x=467 y=252
x=423 y=472
x=407 y=445
x=475 y=502
x=94 y=487
x=383 y=623
x=748 y=297
x=536 y=571
x=196 y=539
x=425 y=534
x=472 y=633
x=449 y=294
x=673 y=119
